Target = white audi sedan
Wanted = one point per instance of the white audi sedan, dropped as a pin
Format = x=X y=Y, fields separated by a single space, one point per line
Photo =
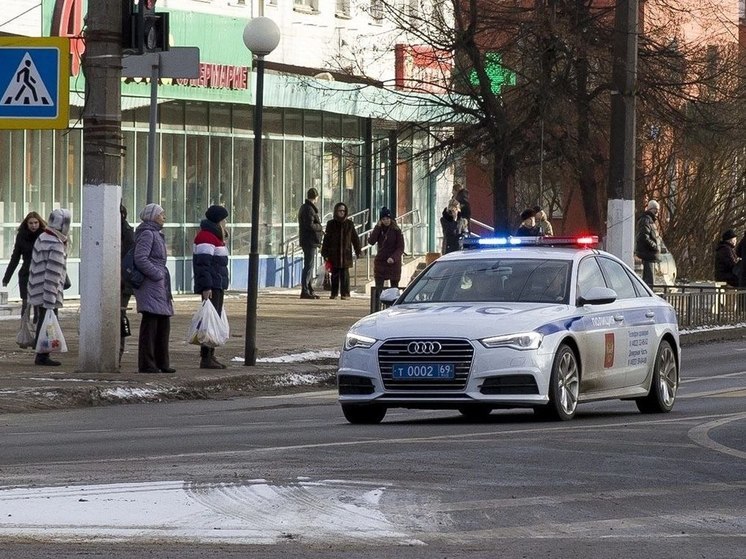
x=542 y=323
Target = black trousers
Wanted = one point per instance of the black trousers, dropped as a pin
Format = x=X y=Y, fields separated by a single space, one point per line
x=152 y=349
x=306 y=278
x=341 y=282
x=124 y=301
x=217 y=301
x=647 y=272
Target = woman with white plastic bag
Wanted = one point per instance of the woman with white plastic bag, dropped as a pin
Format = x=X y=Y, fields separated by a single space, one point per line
x=47 y=276
x=50 y=338
x=210 y=265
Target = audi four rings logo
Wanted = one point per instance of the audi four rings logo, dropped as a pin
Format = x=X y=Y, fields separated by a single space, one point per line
x=424 y=348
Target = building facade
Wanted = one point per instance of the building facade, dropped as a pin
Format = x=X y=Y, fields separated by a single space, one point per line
x=352 y=141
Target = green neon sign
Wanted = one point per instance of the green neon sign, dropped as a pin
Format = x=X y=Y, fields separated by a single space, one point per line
x=498 y=74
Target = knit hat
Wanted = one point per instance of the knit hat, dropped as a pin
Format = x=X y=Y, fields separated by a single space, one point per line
x=385 y=212
x=59 y=220
x=150 y=212
x=216 y=214
x=729 y=234
x=653 y=205
x=528 y=212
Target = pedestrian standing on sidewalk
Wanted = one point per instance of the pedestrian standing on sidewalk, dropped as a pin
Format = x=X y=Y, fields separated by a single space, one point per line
x=210 y=265
x=340 y=238
x=154 y=299
x=125 y=289
x=648 y=242
x=310 y=232
x=48 y=272
x=28 y=231
x=390 y=242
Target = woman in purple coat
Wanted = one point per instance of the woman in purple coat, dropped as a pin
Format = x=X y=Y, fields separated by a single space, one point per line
x=154 y=300
x=387 y=235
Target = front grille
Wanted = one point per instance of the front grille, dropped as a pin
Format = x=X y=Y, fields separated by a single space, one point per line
x=458 y=352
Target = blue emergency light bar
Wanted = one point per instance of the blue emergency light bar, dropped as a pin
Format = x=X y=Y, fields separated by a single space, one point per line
x=582 y=241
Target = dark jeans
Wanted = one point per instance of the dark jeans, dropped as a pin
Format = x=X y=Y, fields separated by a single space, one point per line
x=152 y=348
x=341 y=282
x=217 y=301
x=306 y=278
x=647 y=272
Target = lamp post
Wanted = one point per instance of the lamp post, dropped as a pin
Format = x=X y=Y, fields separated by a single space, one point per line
x=261 y=36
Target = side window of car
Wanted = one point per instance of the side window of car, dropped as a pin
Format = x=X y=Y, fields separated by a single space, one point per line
x=617 y=278
x=589 y=276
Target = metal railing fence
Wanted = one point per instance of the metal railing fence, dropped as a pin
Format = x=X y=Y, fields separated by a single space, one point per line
x=705 y=305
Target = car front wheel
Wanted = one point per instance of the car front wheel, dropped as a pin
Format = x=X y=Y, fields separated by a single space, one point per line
x=665 y=382
x=368 y=414
x=564 y=386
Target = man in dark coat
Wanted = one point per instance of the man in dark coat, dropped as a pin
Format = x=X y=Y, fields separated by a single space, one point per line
x=390 y=240
x=726 y=259
x=451 y=224
x=528 y=227
x=340 y=238
x=309 y=237
x=210 y=265
x=125 y=290
x=647 y=241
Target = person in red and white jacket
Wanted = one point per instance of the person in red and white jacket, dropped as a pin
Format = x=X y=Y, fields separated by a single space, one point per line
x=210 y=265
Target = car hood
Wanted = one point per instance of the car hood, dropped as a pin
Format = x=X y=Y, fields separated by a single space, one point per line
x=471 y=321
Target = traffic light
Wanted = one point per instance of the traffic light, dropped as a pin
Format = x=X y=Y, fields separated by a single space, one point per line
x=143 y=29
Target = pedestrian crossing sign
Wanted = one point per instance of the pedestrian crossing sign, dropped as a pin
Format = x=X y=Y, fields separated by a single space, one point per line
x=34 y=82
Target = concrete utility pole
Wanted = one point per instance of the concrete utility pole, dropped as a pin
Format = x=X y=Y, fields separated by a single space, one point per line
x=620 y=230
x=102 y=191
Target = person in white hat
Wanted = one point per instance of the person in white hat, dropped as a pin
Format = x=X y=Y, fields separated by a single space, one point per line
x=647 y=241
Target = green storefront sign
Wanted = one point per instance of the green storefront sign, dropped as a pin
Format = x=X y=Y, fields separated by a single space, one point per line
x=225 y=73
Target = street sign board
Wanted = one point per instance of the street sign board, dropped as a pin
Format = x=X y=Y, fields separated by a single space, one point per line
x=34 y=82
x=178 y=62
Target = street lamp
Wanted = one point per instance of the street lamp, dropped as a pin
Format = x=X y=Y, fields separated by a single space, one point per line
x=261 y=36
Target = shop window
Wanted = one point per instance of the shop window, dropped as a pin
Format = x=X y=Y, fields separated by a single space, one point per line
x=220 y=117
x=196 y=116
x=243 y=168
x=295 y=194
x=38 y=181
x=332 y=126
x=350 y=127
x=293 y=122
x=243 y=118
x=272 y=121
x=221 y=168
x=172 y=176
x=197 y=177
x=270 y=210
x=171 y=115
x=312 y=175
x=312 y=124
x=68 y=170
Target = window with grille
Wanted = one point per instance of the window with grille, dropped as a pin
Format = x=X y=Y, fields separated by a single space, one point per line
x=343 y=8
x=306 y=5
x=376 y=9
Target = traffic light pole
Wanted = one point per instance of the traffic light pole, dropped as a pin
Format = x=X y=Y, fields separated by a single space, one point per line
x=101 y=192
x=154 y=77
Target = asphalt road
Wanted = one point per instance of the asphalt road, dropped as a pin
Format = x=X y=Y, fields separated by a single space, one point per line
x=286 y=476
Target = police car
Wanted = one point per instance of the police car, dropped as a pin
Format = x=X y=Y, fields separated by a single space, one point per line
x=545 y=323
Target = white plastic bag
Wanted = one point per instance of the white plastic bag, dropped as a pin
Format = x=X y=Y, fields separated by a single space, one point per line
x=207 y=327
x=26 y=335
x=51 y=339
x=225 y=327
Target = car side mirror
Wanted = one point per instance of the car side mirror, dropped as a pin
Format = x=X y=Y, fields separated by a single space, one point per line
x=598 y=296
x=389 y=296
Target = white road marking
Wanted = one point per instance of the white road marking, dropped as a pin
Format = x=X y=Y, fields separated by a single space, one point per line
x=701 y=435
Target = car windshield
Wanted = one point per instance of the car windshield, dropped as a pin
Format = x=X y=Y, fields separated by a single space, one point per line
x=493 y=280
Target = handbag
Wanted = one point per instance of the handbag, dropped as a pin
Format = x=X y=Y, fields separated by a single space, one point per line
x=26 y=335
x=207 y=328
x=51 y=339
x=124 y=327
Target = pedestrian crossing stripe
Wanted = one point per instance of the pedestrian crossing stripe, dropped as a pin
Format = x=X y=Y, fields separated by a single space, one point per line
x=28 y=87
x=34 y=82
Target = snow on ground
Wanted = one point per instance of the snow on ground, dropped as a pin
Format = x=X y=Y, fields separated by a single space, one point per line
x=252 y=512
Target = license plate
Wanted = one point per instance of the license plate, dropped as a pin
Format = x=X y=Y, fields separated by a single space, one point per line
x=423 y=371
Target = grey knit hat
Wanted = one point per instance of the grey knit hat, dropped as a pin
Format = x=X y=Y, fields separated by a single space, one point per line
x=150 y=212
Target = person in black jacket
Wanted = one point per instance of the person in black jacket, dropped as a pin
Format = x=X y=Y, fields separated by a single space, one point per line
x=647 y=241
x=451 y=223
x=125 y=290
x=726 y=259
x=310 y=232
x=28 y=231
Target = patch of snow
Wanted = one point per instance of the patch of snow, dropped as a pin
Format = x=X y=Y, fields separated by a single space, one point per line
x=305 y=357
x=125 y=393
x=713 y=328
x=297 y=379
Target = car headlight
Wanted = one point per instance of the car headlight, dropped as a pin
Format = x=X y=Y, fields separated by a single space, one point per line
x=526 y=340
x=353 y=341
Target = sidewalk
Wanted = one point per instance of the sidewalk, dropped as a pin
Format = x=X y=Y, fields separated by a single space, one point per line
x=298 y=345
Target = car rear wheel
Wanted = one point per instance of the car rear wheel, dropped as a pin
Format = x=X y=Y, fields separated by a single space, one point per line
x=363 y=414
x=665 y=382
x=564 y=386
x=475 y=412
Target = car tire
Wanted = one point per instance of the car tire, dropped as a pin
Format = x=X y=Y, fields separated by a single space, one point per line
x=564 y=386
x=364 y=414
x=664 y=384
x=475 y=412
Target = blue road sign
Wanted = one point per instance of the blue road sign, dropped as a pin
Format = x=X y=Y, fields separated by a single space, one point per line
x=34 y=82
